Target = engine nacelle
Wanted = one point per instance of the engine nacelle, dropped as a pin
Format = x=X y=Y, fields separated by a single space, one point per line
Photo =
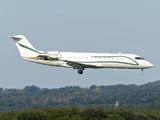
x=54 y=54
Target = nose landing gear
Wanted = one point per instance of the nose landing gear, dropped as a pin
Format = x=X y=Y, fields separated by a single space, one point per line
x=141 y=72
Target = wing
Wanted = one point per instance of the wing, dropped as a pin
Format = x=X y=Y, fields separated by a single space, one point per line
x=78 y=65
x=73 y=64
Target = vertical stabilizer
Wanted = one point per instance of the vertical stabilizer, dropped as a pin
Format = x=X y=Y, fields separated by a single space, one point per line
x=24 y=47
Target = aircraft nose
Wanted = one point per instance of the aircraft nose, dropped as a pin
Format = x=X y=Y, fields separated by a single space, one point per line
x=150 y=64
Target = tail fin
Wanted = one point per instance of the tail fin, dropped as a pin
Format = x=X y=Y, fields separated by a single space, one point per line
x=24 y=47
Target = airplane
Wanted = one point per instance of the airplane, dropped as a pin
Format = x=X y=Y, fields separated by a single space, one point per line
x=80 y=61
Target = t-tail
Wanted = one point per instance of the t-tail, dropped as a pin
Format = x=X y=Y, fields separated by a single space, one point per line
x=24 y=47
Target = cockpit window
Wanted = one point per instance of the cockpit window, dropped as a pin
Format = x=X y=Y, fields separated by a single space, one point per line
x=139 y=58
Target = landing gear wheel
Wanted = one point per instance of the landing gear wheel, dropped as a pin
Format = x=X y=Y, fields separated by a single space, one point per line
x=80 y=71
x=141 y=72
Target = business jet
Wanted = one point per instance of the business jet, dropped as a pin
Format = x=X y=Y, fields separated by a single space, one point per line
x=80 y=61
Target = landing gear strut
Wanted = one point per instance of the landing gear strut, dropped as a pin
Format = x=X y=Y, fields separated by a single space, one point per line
x=141 y=72
x=80 y=71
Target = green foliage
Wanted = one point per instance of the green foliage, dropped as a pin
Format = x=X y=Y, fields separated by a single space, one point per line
x=130 y=97
x=79 y=114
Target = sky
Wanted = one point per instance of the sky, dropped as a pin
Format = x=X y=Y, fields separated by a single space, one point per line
x=112 y=26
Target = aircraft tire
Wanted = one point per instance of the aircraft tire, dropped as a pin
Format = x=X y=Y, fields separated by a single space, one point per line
x=80 y=71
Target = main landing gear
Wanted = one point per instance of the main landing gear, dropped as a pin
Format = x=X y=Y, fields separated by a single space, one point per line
x=141 y=72
x=80 y=71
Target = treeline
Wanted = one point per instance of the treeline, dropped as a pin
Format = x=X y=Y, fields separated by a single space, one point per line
x=79 y=114
x=130 y=97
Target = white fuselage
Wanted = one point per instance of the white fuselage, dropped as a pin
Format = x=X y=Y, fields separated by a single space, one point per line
x=94 y=60
x=77 y=60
